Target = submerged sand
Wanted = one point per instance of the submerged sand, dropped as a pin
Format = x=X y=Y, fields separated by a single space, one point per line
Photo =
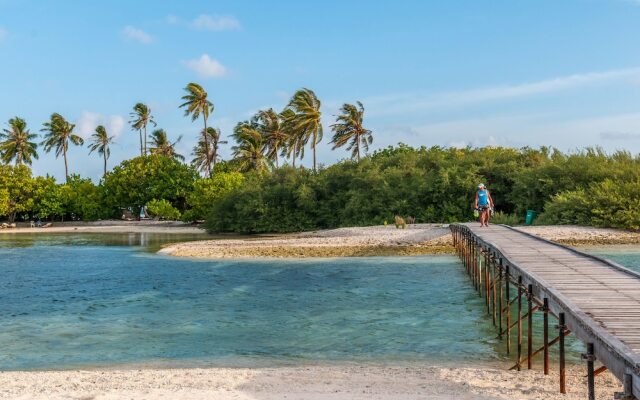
x=378 y=241
x=311 y=382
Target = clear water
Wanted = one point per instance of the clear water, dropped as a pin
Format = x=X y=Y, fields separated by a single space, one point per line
x=101 y=300
x=625 y=255
x=68 y=301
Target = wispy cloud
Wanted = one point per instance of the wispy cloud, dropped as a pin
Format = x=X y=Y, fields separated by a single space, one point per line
x=172 y=19
x=137 y=35
x=216 y=23
x=3 y=34
x=413 y=102
x=88 y=122
x=619 y=136
x=206 y=67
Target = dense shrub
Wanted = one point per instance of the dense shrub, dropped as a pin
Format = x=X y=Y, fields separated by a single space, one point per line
x=163 y=209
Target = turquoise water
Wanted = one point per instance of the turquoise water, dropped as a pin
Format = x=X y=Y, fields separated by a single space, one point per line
x=100 y=300
x=625 y=255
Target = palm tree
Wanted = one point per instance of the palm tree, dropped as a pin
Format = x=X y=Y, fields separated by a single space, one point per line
x=162 y=145
x=305 y=123
x=196 y=104
x=249 y=151
x=349 y=129
x=15 y=143
x=59 y=134
x=276 y=136
x=199 y=151
x=101 y=142
x=141 y=117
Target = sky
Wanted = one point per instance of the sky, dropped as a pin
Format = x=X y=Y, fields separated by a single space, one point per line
x=563 y=73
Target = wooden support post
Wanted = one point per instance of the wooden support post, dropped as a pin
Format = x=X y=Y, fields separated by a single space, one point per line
x=545 y=334
x=590 y=358
x=487 y=280
x=507 y=283
x=561 y=329
x=494 y=281
x=519 y=321
x=529 y=326
x=500 y=298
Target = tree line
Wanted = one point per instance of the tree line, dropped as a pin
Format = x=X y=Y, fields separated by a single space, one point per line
x=259 y=142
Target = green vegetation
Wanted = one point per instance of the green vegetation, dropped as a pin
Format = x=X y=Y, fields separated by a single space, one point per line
x=254 y=192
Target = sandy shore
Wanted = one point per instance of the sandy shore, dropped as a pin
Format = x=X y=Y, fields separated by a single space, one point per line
x=343 y=242
x=378 y=241
x=313 y=382
x=111 y=226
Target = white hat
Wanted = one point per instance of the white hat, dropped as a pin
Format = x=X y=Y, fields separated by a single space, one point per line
x=481 y=185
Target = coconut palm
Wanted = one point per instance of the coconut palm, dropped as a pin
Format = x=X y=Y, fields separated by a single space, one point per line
x=16 y=144
x=196 y=104
x=199 y=151
x=249 y=151
x=305 y=123
x=162 y=145
x=101 y=142
x=349 y=130
x=59 y=132
x=140 y=118
x=276 y=136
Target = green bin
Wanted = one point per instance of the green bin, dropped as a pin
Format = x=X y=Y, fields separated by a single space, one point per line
x=531 y=215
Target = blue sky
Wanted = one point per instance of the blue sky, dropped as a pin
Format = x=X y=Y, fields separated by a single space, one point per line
x=513 y=72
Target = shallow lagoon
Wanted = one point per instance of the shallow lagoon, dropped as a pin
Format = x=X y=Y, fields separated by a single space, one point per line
x=100 y=300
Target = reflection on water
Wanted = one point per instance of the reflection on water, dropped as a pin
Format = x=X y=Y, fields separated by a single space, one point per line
x=149 y=241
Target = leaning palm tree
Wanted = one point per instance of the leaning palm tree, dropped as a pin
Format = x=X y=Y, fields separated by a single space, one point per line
x=349 y=130
x=249 y=151
x=305 y=123
x=276 y=136
x=200 y=158
x=196 y=104
x=162 y=145
x=140 y=118
x=16 y=144
x=101 y=142
x=59 y=134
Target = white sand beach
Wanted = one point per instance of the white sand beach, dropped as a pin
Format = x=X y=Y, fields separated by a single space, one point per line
x=109 y=226
x=311 y=382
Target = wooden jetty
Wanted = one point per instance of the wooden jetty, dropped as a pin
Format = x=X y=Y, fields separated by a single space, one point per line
x=594 y=299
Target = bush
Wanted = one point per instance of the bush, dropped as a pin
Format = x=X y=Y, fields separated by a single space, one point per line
x=505 y=219
x=207 y=190
x=163 y=209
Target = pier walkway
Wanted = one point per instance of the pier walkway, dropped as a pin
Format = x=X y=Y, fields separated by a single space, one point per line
x=594 y=299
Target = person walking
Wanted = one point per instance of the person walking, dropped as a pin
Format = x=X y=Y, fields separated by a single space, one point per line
x=483 y=203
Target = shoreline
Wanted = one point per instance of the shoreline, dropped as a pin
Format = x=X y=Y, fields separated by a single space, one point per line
x=108 y=226
x=422 y=239
x=304 y=382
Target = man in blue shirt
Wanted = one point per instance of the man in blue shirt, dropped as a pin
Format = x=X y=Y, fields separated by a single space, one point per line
x=483 y=203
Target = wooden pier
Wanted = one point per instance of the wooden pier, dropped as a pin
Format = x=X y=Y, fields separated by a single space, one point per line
x=596 y=300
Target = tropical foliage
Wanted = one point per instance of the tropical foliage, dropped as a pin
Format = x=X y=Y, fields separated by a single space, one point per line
x=101 y=142
x=59 y=133
x=161 y=145
x=349 y=130
x=163 y=209
x=196 y=103
x=304 y=122
x=16 y=143
x=141 y=118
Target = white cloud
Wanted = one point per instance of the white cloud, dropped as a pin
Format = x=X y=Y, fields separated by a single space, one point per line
x=215 y=23
x=206 y=67
x=3 y=34
x=412 y=102
x=172 y=19
x=137 y=35
x=88 y=122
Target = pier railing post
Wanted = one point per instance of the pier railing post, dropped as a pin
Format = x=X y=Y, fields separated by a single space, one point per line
x=545 y=334
x=529 y=326
x=500 y=298
x=519 y=321
x=507 y=283
x=590 y=358
x=561 y=330
x=494 y=279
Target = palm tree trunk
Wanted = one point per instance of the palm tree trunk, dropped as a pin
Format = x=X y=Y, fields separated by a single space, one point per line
x=206 y=146
x=276 y=152
x=145 y=139
x=314 y=155
x=141 y=149
x=66 y=165
x=358 y=146
x=104 y=155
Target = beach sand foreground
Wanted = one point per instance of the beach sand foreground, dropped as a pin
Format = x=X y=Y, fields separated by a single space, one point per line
x=312 y=382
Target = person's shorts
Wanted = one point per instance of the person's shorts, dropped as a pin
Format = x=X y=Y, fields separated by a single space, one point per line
x=483 y=208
